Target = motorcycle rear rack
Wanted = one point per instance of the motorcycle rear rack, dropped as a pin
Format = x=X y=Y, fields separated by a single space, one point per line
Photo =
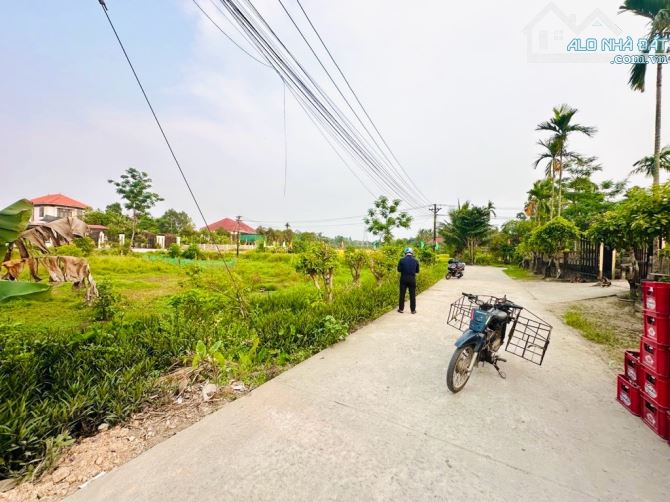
x=528 y=337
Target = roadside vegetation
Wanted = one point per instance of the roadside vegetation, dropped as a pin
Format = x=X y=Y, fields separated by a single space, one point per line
x=65 y=369
x=610 y=322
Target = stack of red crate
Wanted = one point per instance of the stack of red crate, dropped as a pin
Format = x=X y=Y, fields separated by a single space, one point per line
x=644 y=388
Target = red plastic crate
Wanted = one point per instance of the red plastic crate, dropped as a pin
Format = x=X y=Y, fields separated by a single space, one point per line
x=655 y=357
x=632 y=366
x=656 y=297
x=655 y=416
x=657 y=327
x=628 y=394
x=656 y=387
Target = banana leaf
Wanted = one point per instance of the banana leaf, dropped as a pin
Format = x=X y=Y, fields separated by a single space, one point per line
x=14 y=220
x=9 y=289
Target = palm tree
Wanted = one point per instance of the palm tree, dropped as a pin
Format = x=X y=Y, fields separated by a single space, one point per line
x=647 y=165
x=562 y=126
x=657 y=13
x=538 y=205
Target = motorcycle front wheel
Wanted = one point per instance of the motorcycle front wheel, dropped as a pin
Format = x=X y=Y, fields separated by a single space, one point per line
x=457 y=372
x=447 y=277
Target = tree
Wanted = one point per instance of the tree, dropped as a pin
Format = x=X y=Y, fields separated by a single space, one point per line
x=424 y=235
x=646 y=165
x=175 y=222
x=540 y=197
x=562 y=126
x=135 y=189
x=469 y=227
x=383 y=262
x=355 y=259
x=384 y=217
x=657 y=13
x=553 y=238
x=318 y=262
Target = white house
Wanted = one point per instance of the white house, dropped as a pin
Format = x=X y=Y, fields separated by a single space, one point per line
x=54 y=206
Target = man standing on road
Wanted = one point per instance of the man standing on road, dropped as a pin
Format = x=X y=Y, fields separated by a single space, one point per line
x=408 y=268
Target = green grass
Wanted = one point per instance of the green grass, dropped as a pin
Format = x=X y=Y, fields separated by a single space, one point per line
x=62 y=373
x=576 y=318
x=520 y=274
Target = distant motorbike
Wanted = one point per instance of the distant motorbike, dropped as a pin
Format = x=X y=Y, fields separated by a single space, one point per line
x=487 y=319
x=455 y=269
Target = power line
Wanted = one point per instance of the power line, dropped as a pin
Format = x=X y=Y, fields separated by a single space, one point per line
x=228 y=36
x=337 y=87
x=356 y=97
x=276 y=52
x=167 y=142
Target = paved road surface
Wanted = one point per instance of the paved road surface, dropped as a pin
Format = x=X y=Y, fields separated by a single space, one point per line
x=371 y=419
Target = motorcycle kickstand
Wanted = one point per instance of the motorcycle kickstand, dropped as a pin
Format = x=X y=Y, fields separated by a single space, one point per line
x=502 y=374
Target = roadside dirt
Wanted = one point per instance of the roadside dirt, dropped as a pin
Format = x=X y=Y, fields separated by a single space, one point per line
x=182 y=405
x=616 y=315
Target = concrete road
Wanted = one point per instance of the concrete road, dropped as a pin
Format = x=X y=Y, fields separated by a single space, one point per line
x=372 y=419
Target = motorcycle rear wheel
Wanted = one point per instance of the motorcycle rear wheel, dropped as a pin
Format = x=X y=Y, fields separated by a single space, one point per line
x=457 y=372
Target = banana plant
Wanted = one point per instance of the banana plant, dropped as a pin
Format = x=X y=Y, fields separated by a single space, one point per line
x=13 y=221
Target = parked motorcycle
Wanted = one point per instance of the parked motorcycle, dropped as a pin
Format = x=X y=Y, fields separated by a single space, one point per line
x=487 y=320
x=455 y=269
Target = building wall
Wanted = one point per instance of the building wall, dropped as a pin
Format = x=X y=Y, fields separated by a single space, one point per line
x=39 y=212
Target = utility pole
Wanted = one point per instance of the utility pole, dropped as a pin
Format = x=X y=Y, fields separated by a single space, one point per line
x=435 y=210
x=238 y=220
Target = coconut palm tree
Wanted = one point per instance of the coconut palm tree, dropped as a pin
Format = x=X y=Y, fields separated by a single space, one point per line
x=562 y=126
x=647 y=165
x=659 y=26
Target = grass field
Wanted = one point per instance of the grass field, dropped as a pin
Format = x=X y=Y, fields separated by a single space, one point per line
x=62 y=373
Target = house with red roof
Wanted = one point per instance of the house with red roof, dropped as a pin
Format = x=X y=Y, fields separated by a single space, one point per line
x=247 y=233
x=54 y=206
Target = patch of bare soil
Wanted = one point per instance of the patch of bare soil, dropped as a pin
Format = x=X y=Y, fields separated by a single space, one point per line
x=618 y=316
x=181 y=404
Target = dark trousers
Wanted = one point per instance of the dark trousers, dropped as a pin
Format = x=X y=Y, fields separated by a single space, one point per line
x=404 y=286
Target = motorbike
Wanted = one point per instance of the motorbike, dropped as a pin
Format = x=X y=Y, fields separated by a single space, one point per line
x=455 y=269
x=487 y=320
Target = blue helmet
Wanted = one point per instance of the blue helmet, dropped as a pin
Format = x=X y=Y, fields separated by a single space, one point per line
x=409 y=251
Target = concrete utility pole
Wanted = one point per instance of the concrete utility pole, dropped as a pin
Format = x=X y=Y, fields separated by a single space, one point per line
x=435 y=210
x=238 y=220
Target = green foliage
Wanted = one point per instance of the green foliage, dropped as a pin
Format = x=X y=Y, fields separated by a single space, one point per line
x=384 y=217
x=575 y=318
x=383 y=262
x=193 y=252
x=355 y=259
x=555 y=236
x=12 y=289
x=68 y=250
x=318 y=262
x=106 y=305
x=426 y=256
x=14 y=220
x=174 y=250
x=135 y=189
x=175 y=222
x=468 y=227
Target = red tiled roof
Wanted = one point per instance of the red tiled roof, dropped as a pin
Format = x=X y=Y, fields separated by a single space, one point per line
x=230 y=225
x=58 y=199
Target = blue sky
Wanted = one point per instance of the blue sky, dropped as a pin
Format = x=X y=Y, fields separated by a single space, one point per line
x=460 y=116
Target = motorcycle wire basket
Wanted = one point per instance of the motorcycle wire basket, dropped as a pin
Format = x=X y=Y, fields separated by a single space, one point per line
x=529 y=337
x=460 y=312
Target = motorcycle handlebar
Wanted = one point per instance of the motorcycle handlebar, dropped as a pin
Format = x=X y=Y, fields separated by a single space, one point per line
x=505 y=302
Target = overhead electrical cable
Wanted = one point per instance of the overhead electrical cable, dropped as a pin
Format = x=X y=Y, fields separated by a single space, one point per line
x=332 y=58
x=300 y=82
x=169 y=145
x=405 y=178
x=216 y=25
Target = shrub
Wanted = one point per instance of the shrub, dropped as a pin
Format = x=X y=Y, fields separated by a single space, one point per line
x=426 y=256
x=68 y=250
x=193 y=252
x=86 y=244
x=106 y=305
x=174 y=250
